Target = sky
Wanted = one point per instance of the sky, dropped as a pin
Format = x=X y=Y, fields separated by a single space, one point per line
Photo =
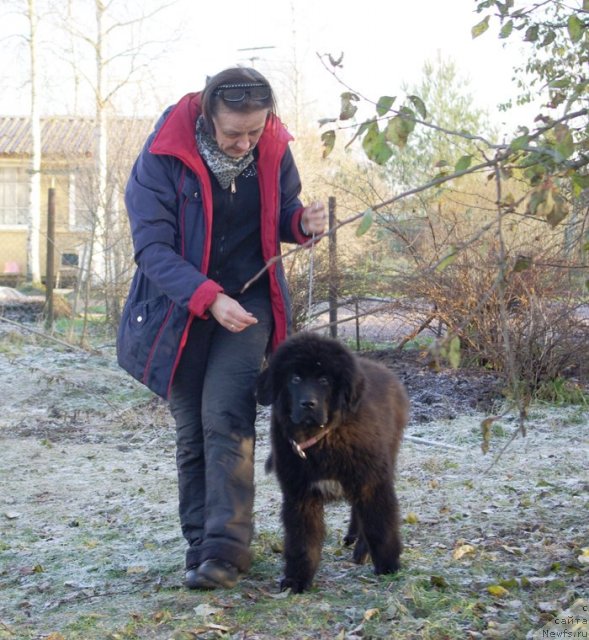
x=385 y=45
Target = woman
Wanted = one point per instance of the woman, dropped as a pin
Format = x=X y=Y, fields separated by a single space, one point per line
x=211 y=196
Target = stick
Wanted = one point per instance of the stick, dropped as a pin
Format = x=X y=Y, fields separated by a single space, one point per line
x=432 y=443
x=44 y=335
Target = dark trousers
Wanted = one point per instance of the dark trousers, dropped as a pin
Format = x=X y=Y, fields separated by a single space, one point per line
x=213 y=403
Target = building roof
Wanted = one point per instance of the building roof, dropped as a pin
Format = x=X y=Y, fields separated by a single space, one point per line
x=66 y=136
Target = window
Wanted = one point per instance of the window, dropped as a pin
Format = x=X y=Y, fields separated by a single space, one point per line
x=14 y=195
x=80 y=217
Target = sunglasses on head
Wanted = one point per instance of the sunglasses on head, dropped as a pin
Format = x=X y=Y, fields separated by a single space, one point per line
x=257 y=91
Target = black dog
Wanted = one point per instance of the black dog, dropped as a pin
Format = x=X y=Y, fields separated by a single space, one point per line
x=337 y=420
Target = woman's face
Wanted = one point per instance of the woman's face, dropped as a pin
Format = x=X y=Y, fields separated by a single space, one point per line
x=236 y=133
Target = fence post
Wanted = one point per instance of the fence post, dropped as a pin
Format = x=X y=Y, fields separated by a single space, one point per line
x=50 y=260
x=332 y=269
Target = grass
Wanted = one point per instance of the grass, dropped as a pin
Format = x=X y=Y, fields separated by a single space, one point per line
x=112 y=558
x=562 y=391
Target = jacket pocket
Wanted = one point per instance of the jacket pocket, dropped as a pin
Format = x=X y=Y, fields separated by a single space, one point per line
x=140 y=326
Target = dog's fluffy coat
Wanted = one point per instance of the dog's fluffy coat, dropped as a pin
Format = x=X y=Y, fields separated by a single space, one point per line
x=337 y=420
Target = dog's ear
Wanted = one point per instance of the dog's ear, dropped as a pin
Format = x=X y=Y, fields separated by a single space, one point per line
x=351 y=387
x=265 y=388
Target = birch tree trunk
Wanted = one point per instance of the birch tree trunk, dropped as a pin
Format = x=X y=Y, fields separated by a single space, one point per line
x=99 y=250
x=34 y=216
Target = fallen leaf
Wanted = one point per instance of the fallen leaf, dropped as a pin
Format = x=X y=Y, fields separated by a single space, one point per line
x=496 y=630
x=411 y=518
x=218 y=627
x=497 y=591
x=136 y=570
x=206 y=610
x=463 y=550
x=548 y=607
x=370 y=613
x=584 y=557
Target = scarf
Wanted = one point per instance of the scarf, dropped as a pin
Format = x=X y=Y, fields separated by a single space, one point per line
x=223 y=166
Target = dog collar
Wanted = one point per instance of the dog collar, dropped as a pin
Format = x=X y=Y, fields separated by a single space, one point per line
x=299 y=448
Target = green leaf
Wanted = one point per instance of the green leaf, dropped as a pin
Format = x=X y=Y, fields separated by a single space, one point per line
x=522 y=263
x=564 y=138
x=375 y=145
x=365 y=223
x=360 y=130
x=561 y=83
x=454 y=352
x=384 y=104
x=558 y=212
x=328 y=140
x=480 y=28
x=463 y=164
x=519 y=143
x=549 y=38
x=576 y=27
x=506 y=29
x=531 y=33
x=379 y=151
x=419 y=105
x=398 y=130
x=579 y=183
x=348 y=109
x=504 y=7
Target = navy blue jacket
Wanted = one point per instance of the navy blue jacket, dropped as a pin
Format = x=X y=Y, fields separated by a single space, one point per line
x=169 y=202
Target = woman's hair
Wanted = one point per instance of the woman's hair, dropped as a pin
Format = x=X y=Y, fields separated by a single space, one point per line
x=236 y=81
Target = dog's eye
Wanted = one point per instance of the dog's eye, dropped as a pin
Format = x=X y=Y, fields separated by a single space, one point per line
x=323 y=381
x=296 y=379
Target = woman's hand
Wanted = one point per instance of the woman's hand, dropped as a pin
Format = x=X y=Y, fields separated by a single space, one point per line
x=314 y=219
x=230 y=314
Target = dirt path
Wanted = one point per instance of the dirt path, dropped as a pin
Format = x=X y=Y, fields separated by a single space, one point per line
x=90 y=544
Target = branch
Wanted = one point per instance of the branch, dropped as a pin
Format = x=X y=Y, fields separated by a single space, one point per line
x=45 y=335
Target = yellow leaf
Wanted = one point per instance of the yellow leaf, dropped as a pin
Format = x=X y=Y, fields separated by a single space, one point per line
x=411 y=518
x=497 y=591
x=463 y=550
x=370 y=613
x=137 y=569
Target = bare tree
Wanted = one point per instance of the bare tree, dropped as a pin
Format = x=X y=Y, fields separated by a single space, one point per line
x=113 y=53
x=34 y=217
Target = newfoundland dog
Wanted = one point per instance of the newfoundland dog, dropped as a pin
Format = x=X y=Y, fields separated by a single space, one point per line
x=337 y=423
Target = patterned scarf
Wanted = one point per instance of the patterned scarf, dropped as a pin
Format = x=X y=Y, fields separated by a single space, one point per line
x=223 y=166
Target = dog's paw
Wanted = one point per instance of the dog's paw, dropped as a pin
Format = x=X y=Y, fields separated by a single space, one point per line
x=296 y=586
x=389 y=566
x=349 y=539
x=361 y=553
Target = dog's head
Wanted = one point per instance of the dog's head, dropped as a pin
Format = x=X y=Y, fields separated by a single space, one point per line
x=311 y=381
